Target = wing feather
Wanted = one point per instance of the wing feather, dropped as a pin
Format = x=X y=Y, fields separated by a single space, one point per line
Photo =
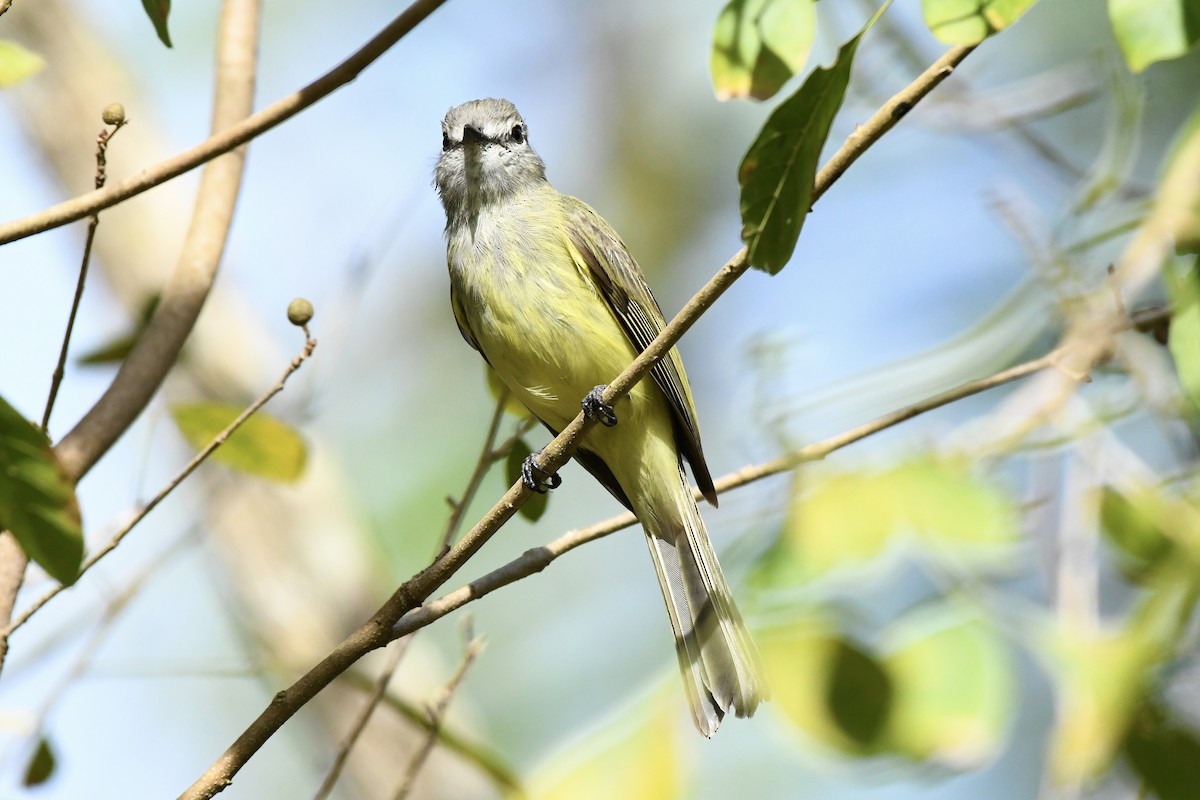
x=620 y=282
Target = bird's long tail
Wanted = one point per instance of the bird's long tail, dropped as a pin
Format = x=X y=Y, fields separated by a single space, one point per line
x=717 y=657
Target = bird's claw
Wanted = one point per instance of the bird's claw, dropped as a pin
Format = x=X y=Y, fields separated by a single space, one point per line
x=595 y=408
x=535 y=478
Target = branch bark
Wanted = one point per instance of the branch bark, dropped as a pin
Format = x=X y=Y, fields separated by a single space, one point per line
x=232 y=133
x=377 y=631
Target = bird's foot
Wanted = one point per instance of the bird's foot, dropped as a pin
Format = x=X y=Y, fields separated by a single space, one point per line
x=537 y=479
x=595 y=408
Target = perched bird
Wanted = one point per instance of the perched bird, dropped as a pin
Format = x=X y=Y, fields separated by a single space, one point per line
x=549 y=295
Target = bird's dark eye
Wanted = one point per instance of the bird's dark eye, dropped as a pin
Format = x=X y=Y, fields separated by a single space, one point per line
x=518 y=133
x=445 y=141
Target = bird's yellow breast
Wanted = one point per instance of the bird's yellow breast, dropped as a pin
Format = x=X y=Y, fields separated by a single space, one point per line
x=537 y=318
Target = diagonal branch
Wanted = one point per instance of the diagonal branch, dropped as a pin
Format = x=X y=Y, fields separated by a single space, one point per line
x=231 y=133
x=377 y=631
x=537 y=559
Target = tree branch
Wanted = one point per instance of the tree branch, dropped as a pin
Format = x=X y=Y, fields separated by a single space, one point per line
x=377 y=631
x=158 y=347
x=232 y=133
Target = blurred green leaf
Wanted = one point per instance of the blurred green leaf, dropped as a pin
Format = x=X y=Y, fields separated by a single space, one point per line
x=535 y=506
x=41 y=765
x=829 y=688
x=759 y=44
x=37 y=499
x=636 y=757
x=853 y=519
x=1164 y=753
x=971 y=21
x=1130 y=524
x=860 y=694
x=17 y=63
x=777 y=172
x=1183 y=284
x=1102 y=675
x=158 y=11
x=954 y=691
x=262 y=446
x=1154 y=30
x=117 y=349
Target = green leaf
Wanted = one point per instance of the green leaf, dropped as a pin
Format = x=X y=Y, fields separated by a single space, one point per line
x=17 y=63
x=1102 y=676
x=1183 y=285
x=158 y=11
x=777 y=172
x=41 y=765
x=971 y=21
x=262 y=446
x=37 y=498
x=1165 y=753
x=827 y=687
x=860 y=693
x=758 y=45
x=1154 y=30
x=953 y=688
x=1131 y=524
x=117 y=349
x=535 y=506
x=853 y=519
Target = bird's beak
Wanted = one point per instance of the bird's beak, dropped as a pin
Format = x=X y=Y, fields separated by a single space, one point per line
x=471 y=134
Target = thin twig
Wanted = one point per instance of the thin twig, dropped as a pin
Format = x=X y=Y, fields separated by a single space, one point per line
x=309 y=345
x=436 y=714
x=102 y=141
x=487 y=457
x=364 y=716
x=228 y=138
x=377 y=631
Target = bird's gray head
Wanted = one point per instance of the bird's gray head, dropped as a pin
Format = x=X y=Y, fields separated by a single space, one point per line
x=485 y=158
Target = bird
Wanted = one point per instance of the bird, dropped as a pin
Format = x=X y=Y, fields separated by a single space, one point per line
x=548 y=293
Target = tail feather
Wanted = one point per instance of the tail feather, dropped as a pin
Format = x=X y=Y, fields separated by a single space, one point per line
x=717 y=657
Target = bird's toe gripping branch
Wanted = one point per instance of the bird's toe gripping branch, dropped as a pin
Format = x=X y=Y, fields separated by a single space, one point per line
x=595 y=408
x=537 y=479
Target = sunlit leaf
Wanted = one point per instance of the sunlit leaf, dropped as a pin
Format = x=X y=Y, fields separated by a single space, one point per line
x=830 y=689
x=37 y=499
x=1154 y=30
x=17 y=63
x=759 y=44
x=971 y=21
x=535 y=506
x=1164 y=753
x=777 y=172
x=851 y=520
x=158 y=11
x=635 y=757
x=262 y=446
x=1184 y=337
x=953 y=688
x=41 y=764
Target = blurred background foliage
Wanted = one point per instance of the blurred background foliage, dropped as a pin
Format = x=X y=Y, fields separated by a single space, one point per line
x=993 y=600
